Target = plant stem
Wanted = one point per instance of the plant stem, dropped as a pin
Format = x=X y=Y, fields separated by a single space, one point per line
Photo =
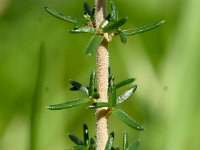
x=102 y=63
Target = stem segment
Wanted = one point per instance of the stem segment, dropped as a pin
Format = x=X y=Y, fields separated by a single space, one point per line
x=102 y=63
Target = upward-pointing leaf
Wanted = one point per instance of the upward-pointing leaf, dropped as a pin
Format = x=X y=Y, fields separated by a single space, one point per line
x=125 y=141
x=124 y=82
x=92 y=83
x=61 y=16
x=75 y=139
x=114 y=12
x=142 y=29
x=68 y=104
x=110 y=142
x=93 y=44
x=126 y=119
x=87 y=9
x=126 y=95
x=115 y=25
x=86 y=135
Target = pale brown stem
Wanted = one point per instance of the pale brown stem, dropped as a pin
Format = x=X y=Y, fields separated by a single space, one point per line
x=102 y=80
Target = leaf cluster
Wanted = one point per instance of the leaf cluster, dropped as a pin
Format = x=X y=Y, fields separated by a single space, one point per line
x=111 y=25
x=89 y=143
x=92 y=97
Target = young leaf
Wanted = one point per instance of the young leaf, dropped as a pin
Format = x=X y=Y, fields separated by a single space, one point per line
x=125 y=141
x=92 y=83
x=134 y=146
x=124 y=82
x=110 y=141
x=83 y=29
x=68 y=104
x=113 y=93
x=115 y=25
x=114 y=12
x=143 y=28
x=126 y=95
x=87 y=9
x=61 y=16
x=75 y=139
x=122 y=37
x=93 y=44
x=103 y=24
x=86 y=135
x=98 y=105
x=126 y=119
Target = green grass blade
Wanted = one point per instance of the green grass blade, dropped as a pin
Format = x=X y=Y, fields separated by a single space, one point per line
x=135 y=145
x=61 y=16
x=115 y=25
x=126 y=95
x=110 y=141
x=125 y=141
x=85 y=135
x=114 y=12
x=83 y=29
x=93 y=44
x=68 y=104
x=124 y=82
x=126 y=119
x=142 y=29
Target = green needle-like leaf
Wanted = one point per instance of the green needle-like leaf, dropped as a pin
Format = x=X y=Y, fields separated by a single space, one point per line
x=125 y=141
x=122 y=37
x=143 y=28
x=114 y=12
x=79 y=147
x=87 y=9
x=115 y=25
x=135 y=145
x=93 y=44
x=92 y=83
x=124 y=82
x=83 y=29
x=61 y=16
x=110 y=141
x=75 y=139
x=126 y=95
x=86 y=135
x=68 y=104
x=98 y=105
x=113 y=93
x=126 y=119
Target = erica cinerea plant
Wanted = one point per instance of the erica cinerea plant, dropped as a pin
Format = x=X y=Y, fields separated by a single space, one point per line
x=101 y=91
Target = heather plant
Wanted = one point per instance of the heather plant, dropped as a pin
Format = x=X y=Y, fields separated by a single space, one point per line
x=101 y=93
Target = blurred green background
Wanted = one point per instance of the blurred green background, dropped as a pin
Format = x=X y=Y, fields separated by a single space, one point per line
x=38 y=57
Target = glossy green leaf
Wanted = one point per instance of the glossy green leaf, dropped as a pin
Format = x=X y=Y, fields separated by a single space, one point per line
x=75 y=139
x=115 y=25
x=103 y=24
x=125 y=141
x=110 y=141
x=114 y=12
x=124 y=82
x=86 y=134
x=93 y=44
x=126 y=95
x=126 y=119
x=68 y=104
x=61 y=16
x=122 y=37
x=143 y=28
x=92 y=83
x=114 y=95
x=87 y=9
x=98 y=105
x=135 y=145
x=83 y=29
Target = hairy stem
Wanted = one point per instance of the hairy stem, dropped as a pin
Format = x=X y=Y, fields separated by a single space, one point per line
x=102 y=61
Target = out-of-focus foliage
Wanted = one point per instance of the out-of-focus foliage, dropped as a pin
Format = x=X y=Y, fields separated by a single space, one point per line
x=165 y=63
